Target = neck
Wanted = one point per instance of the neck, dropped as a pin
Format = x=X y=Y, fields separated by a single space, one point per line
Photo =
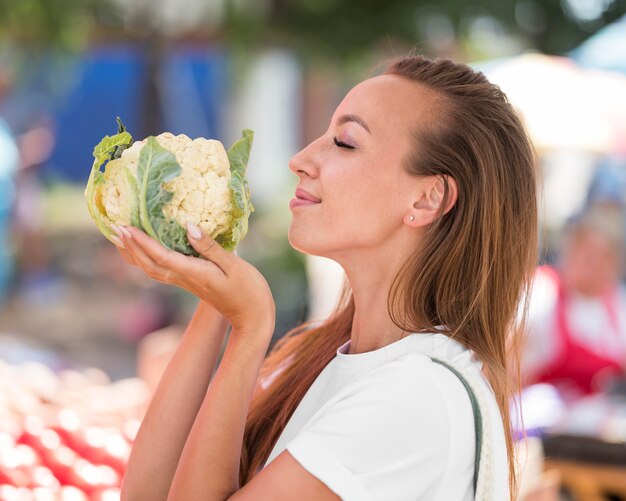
x=372 y=327
x=370 y=271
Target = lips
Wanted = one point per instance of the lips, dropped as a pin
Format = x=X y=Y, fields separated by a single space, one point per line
x=305 y=195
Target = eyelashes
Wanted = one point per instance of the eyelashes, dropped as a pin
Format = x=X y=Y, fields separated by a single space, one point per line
x=341 y=144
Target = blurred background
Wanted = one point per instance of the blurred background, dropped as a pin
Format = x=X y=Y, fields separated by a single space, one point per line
x=84 y=338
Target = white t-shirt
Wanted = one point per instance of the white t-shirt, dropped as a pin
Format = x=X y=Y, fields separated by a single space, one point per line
x=392 y=425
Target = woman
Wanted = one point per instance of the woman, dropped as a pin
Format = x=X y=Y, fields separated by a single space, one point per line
x=423 y=189
x=577 y=316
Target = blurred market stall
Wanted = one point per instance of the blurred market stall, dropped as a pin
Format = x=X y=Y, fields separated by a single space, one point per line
x=565 y=106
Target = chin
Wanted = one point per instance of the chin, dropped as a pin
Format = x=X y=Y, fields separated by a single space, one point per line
x=305 y=242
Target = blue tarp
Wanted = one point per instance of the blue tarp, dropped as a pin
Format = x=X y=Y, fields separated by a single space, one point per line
x=110 y=82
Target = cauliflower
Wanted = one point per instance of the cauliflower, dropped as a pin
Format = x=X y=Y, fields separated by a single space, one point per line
x=161 y=183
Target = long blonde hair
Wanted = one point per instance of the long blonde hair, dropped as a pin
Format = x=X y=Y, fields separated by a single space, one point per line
x=471 y=271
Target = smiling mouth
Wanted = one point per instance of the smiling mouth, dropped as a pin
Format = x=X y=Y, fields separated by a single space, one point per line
x=305 y=195
x=301 y=202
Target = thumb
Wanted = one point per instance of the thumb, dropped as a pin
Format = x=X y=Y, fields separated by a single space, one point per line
x=206 y=246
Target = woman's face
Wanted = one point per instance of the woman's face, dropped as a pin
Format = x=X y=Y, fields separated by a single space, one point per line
x=591 y=263
x=356 y=170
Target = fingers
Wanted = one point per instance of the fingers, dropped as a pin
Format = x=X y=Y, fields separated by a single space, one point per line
x=199 y=276
x=117 y=240
x=153 y=268
x=162 y=263
x=126 y=256
x=149 y=247
x=134 y=254
x=208 y=248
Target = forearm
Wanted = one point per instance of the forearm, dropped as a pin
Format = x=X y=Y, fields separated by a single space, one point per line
x=174 y=407
x=209 y=465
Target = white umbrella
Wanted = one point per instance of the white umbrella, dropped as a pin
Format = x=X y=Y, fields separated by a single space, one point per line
x=563 y=105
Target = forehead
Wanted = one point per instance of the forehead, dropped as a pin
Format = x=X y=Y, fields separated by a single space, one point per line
x=389 y=104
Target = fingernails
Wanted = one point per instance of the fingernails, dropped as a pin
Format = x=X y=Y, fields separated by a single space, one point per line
x=126 y=232
x=194 y=231
x=117 y=242
x=117 y=230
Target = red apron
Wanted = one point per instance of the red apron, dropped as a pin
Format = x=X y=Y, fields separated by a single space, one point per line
x=575 y=367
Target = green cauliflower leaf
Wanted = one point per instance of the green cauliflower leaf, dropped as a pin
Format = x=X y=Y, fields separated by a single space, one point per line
x=238 y=156
x=102 y=153
x=156 y=166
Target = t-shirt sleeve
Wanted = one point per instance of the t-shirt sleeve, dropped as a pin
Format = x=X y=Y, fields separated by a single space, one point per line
x=395 y=435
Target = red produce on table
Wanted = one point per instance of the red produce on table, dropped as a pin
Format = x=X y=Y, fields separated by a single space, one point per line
x=6 y=440
x=110 y=494
x=71 y=493
x=15 y=477
x=90 y=478
x=45 y=494
x=61 y=462
x=8 y=492
x=67 y=449
x=115 y=452
x=5 y=478
x=130 y=429
x=17 y=465
x=31 y=434
x=42 y=476
x=69 y=427
x=93 y=443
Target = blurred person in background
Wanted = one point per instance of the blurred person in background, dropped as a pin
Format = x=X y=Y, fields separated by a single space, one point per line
x=577 y=314
x=36 y=283
x=400 y=190
x=27 y=139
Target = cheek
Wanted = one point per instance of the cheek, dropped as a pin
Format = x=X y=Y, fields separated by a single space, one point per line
x=355 y=207
x=339 y=226
x=357 y=211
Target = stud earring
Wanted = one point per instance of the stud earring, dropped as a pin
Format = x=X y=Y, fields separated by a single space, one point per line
x=411 y=218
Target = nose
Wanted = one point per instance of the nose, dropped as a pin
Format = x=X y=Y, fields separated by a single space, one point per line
x=304 y=163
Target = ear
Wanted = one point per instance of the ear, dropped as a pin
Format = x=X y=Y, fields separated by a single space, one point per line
x=428 y=206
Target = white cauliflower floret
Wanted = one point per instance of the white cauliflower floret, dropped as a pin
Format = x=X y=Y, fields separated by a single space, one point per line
x=201 y=193
x=116 y=196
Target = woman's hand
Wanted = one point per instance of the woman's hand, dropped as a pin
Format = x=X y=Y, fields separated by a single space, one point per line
x=233 y=286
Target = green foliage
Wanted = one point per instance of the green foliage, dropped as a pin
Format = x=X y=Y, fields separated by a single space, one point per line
x=64 y=24
x=335 y=30
x=341 y=30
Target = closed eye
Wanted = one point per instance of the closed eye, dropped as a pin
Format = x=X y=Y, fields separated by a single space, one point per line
x=341 y=144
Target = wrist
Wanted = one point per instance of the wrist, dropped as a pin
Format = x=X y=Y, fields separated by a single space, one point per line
x=259 y=329
x=207 y=307
x=207 y=322
x=257 y=320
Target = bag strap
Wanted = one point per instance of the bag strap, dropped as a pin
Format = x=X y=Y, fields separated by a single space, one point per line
x=478 y=420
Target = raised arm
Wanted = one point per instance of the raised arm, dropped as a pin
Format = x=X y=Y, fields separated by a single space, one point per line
x=232 y=290
x=174 y=407
x=208 y=467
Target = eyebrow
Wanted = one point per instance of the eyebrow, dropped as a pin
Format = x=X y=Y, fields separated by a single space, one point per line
x=353 y=118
